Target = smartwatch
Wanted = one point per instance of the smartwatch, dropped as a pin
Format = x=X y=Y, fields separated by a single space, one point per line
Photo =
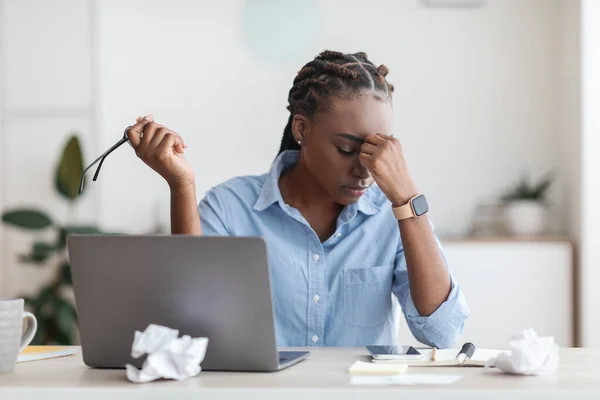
x=415 y=207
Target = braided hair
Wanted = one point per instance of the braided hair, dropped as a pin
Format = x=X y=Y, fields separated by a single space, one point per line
x=332 y=74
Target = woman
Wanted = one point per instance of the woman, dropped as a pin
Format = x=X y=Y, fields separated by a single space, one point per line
x=334 y=210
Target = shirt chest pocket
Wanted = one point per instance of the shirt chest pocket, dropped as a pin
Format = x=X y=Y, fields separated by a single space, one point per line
x=367 y=295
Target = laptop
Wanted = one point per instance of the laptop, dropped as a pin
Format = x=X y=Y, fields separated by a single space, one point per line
x=214 y=287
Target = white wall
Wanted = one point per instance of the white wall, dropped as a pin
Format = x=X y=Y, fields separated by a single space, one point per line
x=590 y=167
x=476 y=100
x=569 y=128
x=569 y=111
x=46 y=83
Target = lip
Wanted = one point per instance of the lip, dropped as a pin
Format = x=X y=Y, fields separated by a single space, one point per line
x=355 y=191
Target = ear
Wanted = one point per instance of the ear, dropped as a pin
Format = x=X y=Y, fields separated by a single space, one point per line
x=300 y=125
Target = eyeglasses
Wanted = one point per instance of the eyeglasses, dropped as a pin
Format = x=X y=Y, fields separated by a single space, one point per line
x=101 y=159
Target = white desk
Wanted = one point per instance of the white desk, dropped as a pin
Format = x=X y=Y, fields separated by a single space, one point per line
x=322 y=376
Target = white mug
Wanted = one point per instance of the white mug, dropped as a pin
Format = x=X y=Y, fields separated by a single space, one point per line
x=12 y=339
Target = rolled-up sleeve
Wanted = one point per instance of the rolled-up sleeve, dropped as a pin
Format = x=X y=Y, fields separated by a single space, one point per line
x=444 y=326
x=213 y=218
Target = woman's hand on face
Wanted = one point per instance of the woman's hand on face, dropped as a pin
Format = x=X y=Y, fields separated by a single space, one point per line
x=162 y=150
x=382 y=155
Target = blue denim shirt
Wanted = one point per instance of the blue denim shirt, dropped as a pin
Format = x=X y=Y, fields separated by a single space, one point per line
x=337 y=292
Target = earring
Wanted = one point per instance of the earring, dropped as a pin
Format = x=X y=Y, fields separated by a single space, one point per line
x=299 y=141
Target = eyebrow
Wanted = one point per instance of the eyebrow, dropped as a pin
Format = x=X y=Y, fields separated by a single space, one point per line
x=351 y=137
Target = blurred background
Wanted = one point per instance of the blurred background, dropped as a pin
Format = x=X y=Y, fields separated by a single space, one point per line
x=496 y=104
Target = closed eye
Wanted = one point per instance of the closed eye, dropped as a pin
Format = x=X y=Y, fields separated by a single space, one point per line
x=345 y=152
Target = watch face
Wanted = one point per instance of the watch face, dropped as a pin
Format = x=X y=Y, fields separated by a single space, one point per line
x=420 y=205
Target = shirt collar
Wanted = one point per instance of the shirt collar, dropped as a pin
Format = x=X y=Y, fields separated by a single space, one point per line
x=270 y=192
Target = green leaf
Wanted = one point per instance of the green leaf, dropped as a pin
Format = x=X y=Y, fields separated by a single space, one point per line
x=65 y=315
x=45 y=300
x=36 y=305
x=41 y=251
x=82 y=230
x=27 y=219
x=60 y=187
x=28 y=259
x=63 y=232
x=41 y=331
x=62 y=338
x=70 y=169
x=29 y=302
x=72 y=310
x=61 y=240
x=542 y=187
x=526 y=190
x=65 y=274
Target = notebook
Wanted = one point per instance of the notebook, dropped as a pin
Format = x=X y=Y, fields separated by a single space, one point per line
x=365 y=368
x=447 y=358
x=35 y=353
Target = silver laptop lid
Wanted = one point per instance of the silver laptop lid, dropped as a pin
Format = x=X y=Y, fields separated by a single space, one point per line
x=215 y=287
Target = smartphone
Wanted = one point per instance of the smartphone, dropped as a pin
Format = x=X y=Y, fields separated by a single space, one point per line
x=394 y=352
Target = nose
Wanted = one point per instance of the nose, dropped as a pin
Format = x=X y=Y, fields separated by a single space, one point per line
x=359 y=171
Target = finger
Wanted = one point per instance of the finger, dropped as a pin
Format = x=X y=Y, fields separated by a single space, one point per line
x=149 y=131
x=368 y=148
x=365 y=159
x=134 y=132
x=179 y=144
x=134 y=137
x=384 y=136
x=375 y=139
x=181 y=141
x=158 y=137
x=389 y=138
x=164 y=150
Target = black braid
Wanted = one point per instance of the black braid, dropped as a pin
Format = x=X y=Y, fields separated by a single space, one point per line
x=288 y=142
x=332 y=74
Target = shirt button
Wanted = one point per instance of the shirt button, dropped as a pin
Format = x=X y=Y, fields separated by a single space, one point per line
x=316 y=298
x=316 y=257
x=315 y=339
x=337 y=235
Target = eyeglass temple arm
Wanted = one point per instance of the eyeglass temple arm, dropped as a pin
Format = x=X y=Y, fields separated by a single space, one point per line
x=120 y=142
x=101 y=159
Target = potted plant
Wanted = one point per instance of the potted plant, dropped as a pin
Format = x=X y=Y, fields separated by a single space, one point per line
x=52 y=305
x=525 y=207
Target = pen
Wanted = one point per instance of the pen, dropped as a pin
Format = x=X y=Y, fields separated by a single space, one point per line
x=466 y=352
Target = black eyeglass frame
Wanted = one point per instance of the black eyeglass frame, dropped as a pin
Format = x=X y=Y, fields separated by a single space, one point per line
x=101 y=159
